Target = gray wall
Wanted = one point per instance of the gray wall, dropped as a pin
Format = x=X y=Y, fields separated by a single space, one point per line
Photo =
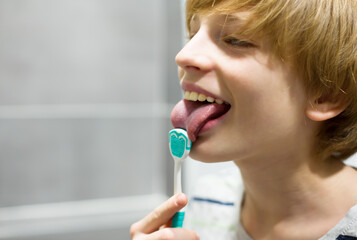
x=86 y=89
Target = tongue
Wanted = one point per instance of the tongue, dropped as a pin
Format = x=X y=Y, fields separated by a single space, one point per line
x=192 y=116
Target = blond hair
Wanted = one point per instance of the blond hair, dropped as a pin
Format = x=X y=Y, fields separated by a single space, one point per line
x=319 y=38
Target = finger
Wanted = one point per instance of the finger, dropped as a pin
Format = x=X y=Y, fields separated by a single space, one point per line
x=160 y=215
x=173 y=233
x=167 y=224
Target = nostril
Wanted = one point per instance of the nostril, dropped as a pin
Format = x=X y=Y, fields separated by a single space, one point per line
x=192 y=67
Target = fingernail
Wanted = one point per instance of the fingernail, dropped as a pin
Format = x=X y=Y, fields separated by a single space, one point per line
x=181 y=199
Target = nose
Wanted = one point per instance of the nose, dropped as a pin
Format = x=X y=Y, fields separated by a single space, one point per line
x=196 y=54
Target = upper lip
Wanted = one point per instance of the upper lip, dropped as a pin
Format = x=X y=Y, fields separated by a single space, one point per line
x=194 y=88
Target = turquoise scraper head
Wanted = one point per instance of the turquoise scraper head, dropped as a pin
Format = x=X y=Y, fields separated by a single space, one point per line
x=180 y=144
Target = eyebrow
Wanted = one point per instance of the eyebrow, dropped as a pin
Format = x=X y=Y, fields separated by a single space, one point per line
x=228 y=18
x=234 y=18
x=232 y=21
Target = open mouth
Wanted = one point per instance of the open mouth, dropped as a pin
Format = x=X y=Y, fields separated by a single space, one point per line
x=198 y=113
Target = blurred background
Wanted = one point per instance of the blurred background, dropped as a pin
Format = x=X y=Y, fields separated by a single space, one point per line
x=86 y=91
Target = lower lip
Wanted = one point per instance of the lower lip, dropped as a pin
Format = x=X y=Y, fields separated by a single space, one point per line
x=211 y=124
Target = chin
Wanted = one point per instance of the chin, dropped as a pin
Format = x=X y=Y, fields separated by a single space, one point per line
x=203 y=152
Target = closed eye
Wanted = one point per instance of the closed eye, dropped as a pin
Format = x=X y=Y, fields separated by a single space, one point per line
x=235 y=42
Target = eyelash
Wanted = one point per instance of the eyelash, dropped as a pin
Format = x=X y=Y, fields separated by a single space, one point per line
x=229 y=40
x=235 y=42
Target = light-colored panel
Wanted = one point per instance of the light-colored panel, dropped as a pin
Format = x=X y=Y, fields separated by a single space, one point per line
x=71 y=217
x=78 y=51
x=51 y=160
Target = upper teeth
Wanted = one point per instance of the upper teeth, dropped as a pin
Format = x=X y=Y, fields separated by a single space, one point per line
x=194 y=96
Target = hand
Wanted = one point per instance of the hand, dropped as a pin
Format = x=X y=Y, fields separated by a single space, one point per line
x=156 y=225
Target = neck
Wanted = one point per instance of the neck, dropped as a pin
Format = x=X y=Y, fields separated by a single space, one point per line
x=281 y=194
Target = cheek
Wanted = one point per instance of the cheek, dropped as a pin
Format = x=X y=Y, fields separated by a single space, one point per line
x=267 y=87
x=267 y=100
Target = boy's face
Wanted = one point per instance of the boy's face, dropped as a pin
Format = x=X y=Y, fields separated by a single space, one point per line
x=267 y=100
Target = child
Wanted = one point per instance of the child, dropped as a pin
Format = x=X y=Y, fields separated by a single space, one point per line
x=270 y=85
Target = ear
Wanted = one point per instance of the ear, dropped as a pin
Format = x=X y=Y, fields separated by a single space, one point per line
x=323 y=107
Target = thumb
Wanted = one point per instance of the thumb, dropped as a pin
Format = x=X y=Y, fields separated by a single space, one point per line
x=161 y=215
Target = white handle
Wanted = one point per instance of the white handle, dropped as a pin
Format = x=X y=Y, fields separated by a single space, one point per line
x=177 y=176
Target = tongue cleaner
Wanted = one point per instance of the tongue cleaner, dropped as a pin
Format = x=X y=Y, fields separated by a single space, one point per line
x=180 y=146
